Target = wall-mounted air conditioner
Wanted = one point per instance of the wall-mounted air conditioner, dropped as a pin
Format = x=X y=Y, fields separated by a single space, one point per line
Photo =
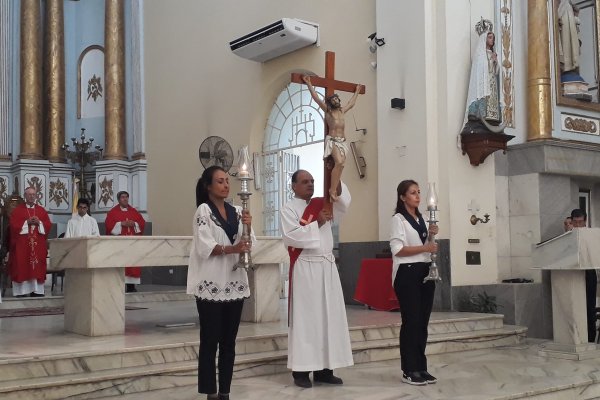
x=281 y=37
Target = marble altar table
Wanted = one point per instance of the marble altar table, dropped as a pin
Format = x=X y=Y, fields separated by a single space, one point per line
x=95 y=280
x=567 y=257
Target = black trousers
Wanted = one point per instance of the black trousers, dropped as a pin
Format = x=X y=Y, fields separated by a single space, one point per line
x=219 y=323
x=590 y=299
x=416 y=301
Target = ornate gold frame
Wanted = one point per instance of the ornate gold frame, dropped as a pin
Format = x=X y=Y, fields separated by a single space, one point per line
x=560 y=99
x=83 y=53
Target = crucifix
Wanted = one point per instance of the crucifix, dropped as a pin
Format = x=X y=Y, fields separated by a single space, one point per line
x=330 y=84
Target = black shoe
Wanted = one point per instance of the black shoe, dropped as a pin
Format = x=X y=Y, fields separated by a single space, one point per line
x=413 y=378
x=428 y=377
x=326 y=376
x=130 y=288
x=301 y=379
x=36 y=295
x=21 y=295
x=223 y=396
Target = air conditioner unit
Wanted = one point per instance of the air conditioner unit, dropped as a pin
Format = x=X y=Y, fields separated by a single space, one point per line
x=281 y=37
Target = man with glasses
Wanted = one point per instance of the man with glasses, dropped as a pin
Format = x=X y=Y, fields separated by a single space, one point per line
x=125 y=220
x=82 y=224
x=29 y=229
x=579 y=220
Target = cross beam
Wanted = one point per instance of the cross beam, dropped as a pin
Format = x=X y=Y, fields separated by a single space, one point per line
x=331 y=85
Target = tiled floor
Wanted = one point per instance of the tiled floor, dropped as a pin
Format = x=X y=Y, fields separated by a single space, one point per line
x=500 y=373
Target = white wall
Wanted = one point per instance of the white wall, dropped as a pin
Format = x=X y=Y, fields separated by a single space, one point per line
x=402 y=134
x=427 y=61
x=195 y=87
x=465 y=182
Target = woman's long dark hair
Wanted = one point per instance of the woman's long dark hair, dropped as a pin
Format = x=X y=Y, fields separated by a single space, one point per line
x=203 y=182
x=402 y=189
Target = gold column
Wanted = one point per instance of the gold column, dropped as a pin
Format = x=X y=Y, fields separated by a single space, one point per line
x=114 y=75
x=54 y=71
x=31 y=81
x=539 y=107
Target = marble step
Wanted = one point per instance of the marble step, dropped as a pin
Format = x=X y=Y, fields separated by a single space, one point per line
x=131 y=379
x=85 y=362
x=12 y=303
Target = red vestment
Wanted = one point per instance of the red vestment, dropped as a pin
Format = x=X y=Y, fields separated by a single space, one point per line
x=310 y=214
x=27 y=257
x=116 y=214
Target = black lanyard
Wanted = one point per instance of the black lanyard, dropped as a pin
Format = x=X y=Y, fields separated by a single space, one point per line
x=419 y=226
x=230 y=226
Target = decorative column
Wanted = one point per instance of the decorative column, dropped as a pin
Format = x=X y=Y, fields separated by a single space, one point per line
x=5 y=79
x=31 y=81
x=6 y=26
x=54 y=71
x=539 y=107
x=139 y=165
x=114 y=75
x=137 y=79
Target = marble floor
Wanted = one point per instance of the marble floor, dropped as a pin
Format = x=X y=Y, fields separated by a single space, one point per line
x=154 y=324
x=511 y=372
x=492 y=374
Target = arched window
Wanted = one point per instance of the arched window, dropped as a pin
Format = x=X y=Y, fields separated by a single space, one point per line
x=293 y=139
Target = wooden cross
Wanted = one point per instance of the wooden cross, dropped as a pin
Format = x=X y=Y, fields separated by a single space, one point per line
x=331 y=85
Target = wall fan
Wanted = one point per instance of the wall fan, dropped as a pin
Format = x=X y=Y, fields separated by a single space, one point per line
x=215 y=150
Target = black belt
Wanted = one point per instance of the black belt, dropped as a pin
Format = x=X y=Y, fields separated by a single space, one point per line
x=415 y=264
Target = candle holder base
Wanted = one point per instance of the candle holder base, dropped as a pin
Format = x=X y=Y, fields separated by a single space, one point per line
x=434 y=274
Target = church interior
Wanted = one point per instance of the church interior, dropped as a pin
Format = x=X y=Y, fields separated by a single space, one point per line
x=103 y=96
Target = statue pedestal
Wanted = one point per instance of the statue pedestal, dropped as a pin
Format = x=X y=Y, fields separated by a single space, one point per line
x=480 y=145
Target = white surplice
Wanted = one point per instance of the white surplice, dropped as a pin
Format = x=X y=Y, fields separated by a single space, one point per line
x=79 y=226
x=211 y=277
x=318 y=330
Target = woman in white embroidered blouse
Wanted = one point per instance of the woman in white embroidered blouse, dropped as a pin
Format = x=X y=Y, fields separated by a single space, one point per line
x=411 y=259
x=220 y=291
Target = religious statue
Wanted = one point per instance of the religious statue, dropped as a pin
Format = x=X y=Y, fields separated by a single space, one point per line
x=569 y=51
x=335 y=140
x=483 y=102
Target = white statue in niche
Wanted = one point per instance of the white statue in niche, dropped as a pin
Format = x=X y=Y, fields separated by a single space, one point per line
x=484 y=114
x=569 y=52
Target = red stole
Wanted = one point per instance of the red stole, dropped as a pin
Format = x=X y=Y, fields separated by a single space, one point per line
x=310 y=214
x=27 y=257
x=117 y=215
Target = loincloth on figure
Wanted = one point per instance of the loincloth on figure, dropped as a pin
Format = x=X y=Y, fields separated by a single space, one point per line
x=339 y=142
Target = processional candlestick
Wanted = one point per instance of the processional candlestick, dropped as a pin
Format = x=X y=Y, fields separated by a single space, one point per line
x=80 y=155
x=243 y=175
x=432 y=200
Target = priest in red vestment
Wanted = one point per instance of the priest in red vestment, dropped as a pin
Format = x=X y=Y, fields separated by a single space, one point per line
x=29 y=226
x=124 y=220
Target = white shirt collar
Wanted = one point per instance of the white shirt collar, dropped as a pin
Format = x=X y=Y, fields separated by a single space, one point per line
x=306 y=201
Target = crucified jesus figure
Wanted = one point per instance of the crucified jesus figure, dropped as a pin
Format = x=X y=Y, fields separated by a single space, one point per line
x=335 y=140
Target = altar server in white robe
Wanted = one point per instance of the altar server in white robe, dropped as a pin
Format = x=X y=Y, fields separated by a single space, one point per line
x=82 y=224
x=318 y=337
